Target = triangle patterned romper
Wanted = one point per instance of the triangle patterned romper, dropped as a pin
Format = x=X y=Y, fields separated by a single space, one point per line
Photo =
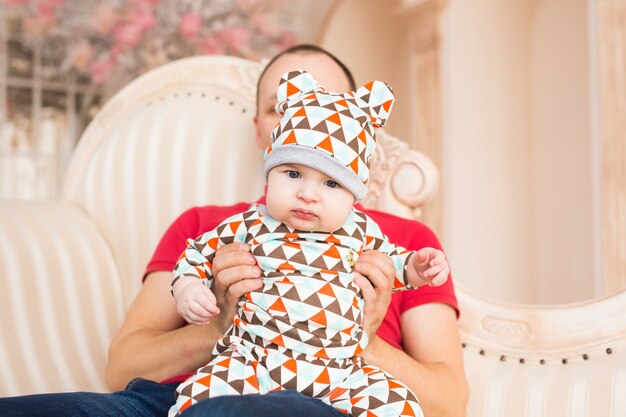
x=302 y=330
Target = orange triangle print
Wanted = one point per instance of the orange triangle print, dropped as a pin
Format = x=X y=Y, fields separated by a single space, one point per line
x=332 y=239
x=213 y=243
x=387 y=105
x=321 y=354
x=292 y=245
x=362 y=137
x=286 y=266
x=291 y=89
x=327 y=290
x=408 y=410
x=327 y=145
x=225 y=363
x=393 y=384
x=278 y=306
x=320 y=318
x=334 y=118
x=234 y=226
x=323 y=378
x=253 y=381
x=291 y=138
x=206 y=381
x=291 y=365
x=200 y=272
x=300 y=113
x=355 y=400
x=354 y=165
x=333 y=252
x=369 y=85
x=186 y=405
x=336 y=393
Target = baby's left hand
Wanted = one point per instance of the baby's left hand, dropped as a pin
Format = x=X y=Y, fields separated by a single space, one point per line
x=431 y=266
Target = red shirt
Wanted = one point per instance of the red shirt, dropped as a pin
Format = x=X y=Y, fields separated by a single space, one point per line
x=408 y=233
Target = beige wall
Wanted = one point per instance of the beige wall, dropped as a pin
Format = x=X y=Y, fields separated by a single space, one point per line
x=486 y=87
x=560 y=164
x=517 y=149
x=370 y=37
x=516 y=126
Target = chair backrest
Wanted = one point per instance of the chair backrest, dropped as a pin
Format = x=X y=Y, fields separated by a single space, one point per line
x=177 y=137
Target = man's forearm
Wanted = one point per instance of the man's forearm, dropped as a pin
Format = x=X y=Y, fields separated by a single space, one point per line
x=157 y=355
x=441 y=390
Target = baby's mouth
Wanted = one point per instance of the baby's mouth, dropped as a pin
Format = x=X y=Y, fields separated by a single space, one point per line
x=304 y=214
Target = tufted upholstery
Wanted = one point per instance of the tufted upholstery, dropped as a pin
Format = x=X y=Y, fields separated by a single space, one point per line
x=180 y=136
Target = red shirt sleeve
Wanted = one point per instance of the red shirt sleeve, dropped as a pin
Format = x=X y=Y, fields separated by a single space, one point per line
x=412 y=235
x=189 y=225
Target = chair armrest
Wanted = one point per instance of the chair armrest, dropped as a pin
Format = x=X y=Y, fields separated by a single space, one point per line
x=60 y=302
x=526 y=360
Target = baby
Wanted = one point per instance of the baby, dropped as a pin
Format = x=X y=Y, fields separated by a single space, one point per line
x=303 y=330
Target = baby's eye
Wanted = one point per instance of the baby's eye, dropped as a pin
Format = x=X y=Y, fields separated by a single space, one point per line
x=293 y=174
x=332 y=184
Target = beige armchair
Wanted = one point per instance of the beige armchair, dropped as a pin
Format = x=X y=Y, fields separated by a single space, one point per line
x=181 y=136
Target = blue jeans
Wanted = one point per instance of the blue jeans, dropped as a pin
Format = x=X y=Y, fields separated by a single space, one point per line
x=140 y=398
x=143 y=398
x=274 y=404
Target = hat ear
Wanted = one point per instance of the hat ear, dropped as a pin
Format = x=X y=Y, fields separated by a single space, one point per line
x=292 y=85
x=376 y=100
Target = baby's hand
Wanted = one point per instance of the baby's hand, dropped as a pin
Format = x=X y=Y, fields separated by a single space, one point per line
x=194 y=301
x=431 y=266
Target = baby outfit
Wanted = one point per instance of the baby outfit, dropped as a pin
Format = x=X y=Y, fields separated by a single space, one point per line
x=303 y=330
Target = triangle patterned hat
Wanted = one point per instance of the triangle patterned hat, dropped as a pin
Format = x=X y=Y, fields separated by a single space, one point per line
x=327 y=131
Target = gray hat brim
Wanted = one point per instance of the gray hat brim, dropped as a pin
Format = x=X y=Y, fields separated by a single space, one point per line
x=316 y=159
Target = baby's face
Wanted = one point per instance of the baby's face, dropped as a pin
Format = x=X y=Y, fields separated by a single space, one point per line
x=305 y=199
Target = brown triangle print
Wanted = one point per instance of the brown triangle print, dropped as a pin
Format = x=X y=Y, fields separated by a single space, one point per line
x=319 y=263
x=314 y=301
x=220 y=229
x=321 y=127
x=375 y=403
x=304 y=124
x=278 y=253
x=299 y=258
x=339 y=134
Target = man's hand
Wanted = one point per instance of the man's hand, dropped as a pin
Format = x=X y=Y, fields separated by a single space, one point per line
x=235 y=273
x=374 y=274
x=431 y=266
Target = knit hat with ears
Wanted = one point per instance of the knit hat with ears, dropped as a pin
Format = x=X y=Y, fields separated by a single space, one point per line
x=330 y=132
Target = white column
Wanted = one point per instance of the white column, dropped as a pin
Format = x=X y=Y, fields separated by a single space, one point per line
x=612 y=73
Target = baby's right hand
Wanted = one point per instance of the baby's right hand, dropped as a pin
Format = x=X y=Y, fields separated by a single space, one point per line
x=195 y=302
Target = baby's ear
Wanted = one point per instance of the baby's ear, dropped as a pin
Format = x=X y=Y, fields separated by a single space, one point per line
x=376 y=99
x=292 y=85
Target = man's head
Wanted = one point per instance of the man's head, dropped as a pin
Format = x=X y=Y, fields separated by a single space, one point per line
x=324 y=66
x=331 y=132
